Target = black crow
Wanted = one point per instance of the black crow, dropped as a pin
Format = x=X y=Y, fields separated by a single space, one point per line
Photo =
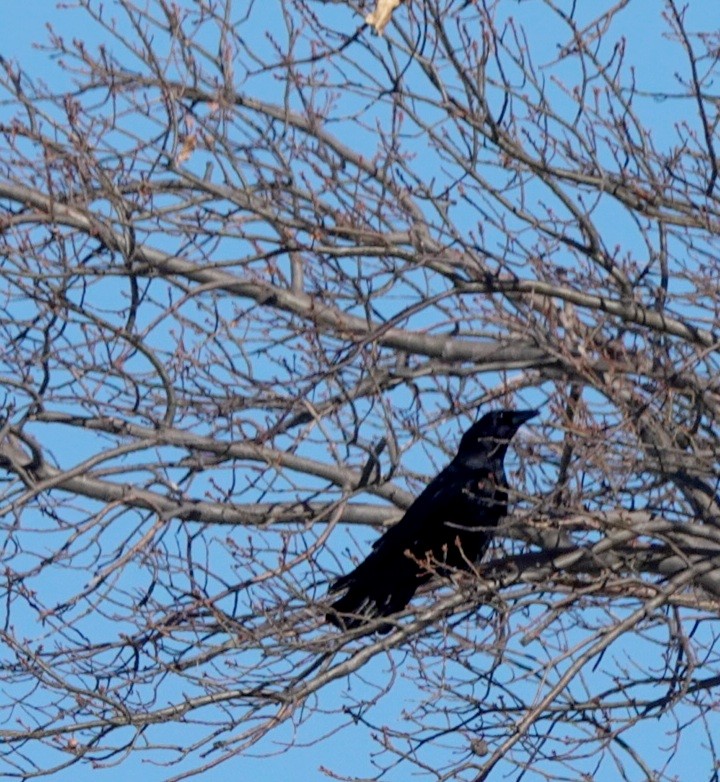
x=448 y=527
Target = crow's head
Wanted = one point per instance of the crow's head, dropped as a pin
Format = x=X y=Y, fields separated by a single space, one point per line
x=492 y=433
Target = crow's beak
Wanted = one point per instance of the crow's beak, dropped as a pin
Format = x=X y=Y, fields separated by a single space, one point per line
x=520 y=416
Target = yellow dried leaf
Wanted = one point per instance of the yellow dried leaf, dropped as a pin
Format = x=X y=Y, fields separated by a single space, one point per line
x=382 y=14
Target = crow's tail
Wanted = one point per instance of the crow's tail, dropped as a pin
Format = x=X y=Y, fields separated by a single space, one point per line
x=369 y=595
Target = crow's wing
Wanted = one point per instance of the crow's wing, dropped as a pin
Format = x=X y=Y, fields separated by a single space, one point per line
x=457 y=499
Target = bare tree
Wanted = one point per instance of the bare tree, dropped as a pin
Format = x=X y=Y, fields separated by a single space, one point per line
x=260 y=268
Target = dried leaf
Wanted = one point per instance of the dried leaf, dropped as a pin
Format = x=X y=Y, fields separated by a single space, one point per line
x=188 y=147
x=382 y=14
